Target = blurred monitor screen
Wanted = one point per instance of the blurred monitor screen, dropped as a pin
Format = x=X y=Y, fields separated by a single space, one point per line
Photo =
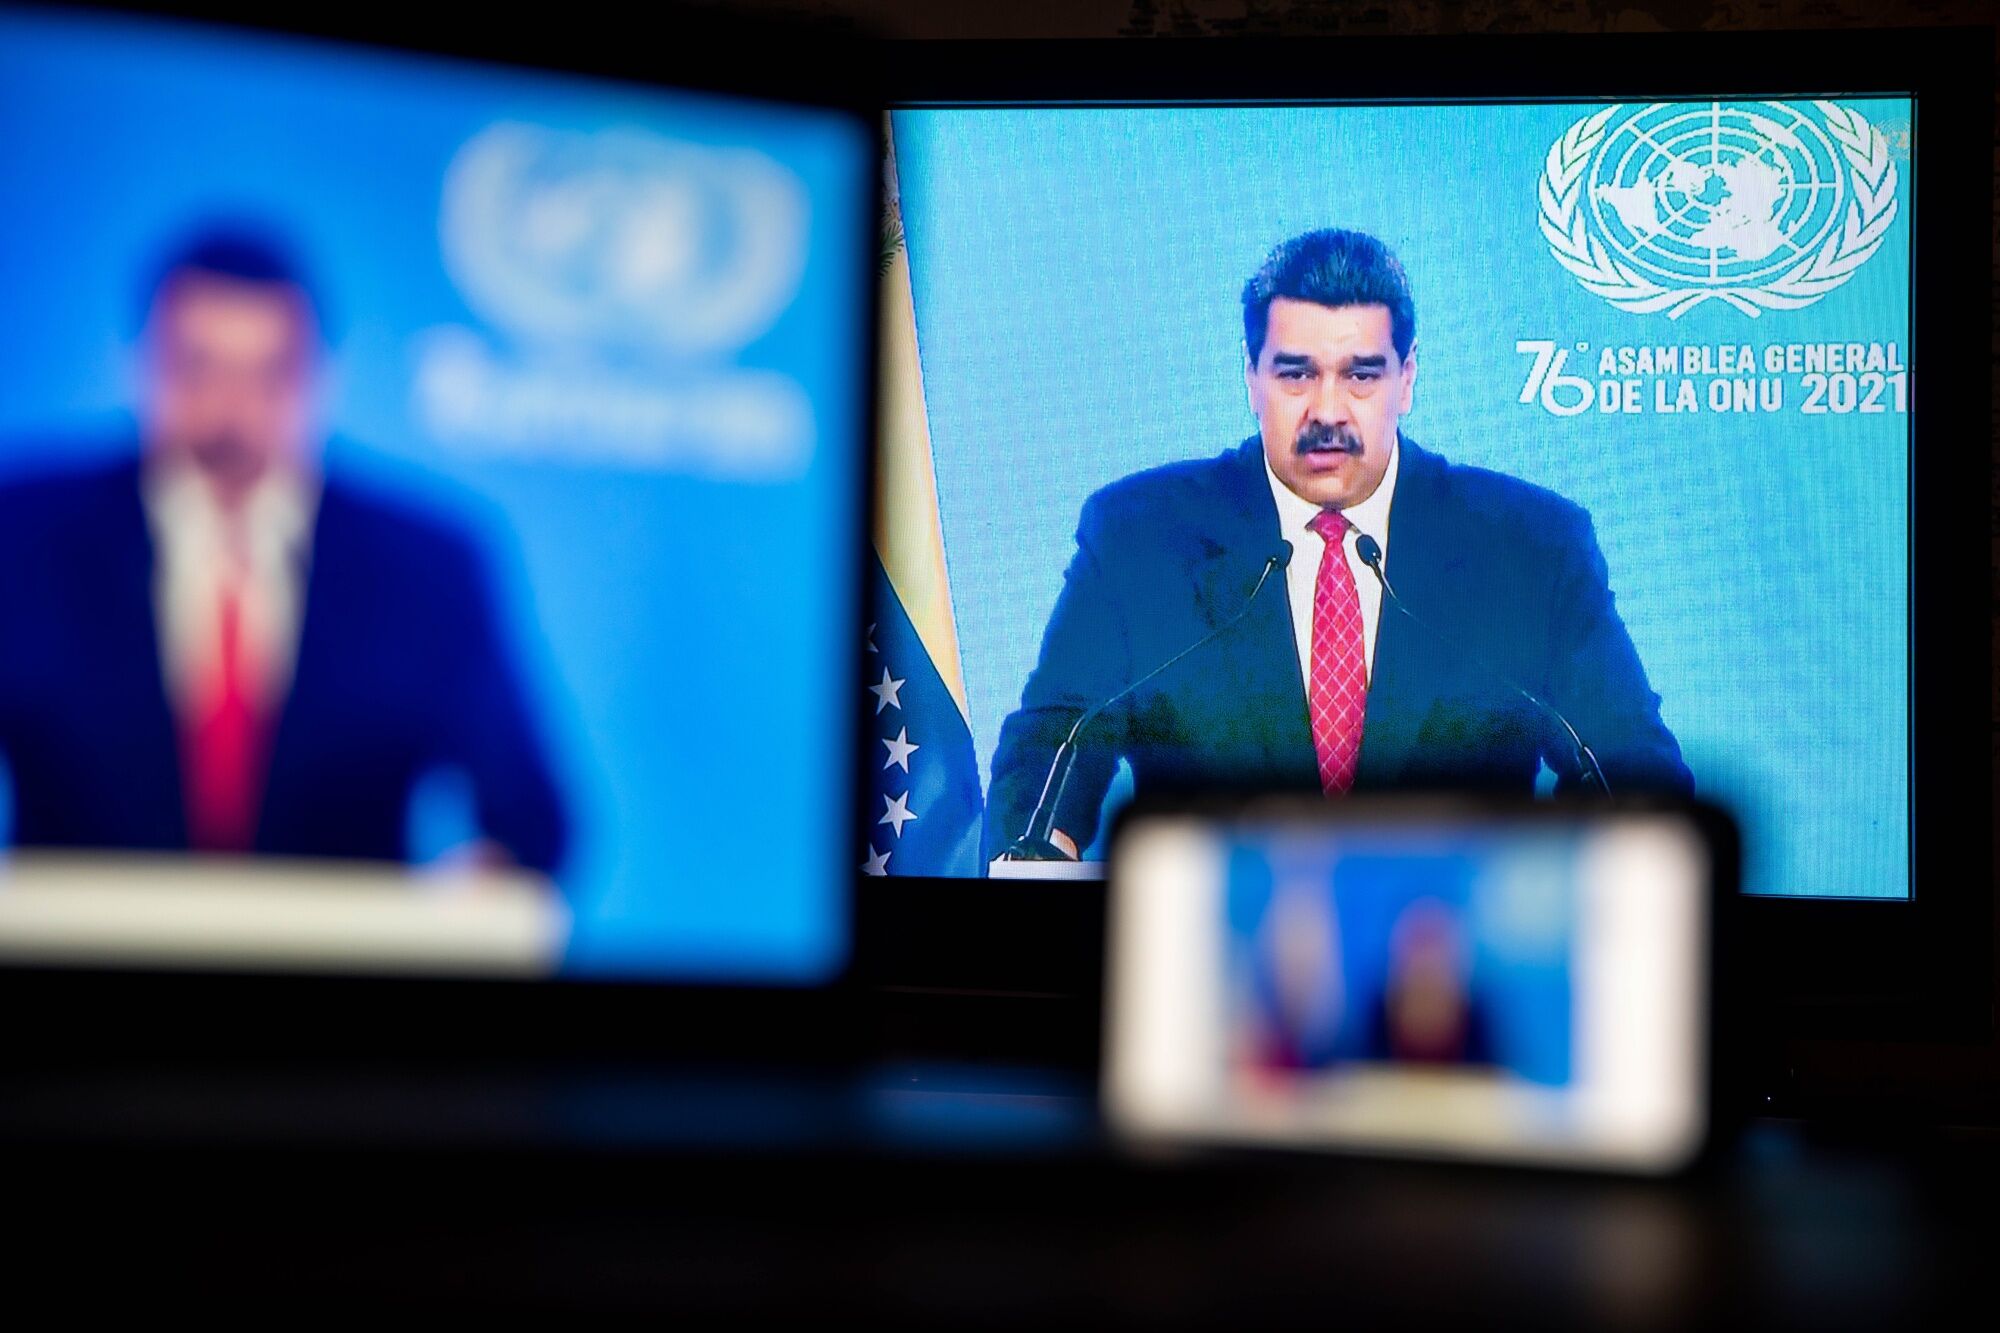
x=1622 y=404
x=427 y=498
x=1429 y=982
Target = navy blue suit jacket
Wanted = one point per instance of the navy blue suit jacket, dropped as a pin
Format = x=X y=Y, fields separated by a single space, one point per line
x=1510 y=570
x=402 y=670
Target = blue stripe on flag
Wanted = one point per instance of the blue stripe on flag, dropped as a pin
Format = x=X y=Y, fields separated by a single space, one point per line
x=924 y=809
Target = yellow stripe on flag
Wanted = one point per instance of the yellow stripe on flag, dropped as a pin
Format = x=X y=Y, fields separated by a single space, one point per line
x=908 y=533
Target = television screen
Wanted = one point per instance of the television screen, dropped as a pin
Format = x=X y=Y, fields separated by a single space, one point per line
x=1518 y=446
x=427 y=491
x=1421 y=979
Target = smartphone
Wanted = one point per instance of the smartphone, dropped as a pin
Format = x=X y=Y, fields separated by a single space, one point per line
x=1524 y=983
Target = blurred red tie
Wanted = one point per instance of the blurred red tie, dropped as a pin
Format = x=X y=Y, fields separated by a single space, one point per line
x=223 y=744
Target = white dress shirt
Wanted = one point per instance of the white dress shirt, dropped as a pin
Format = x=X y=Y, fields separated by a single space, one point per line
x=199 y=549
x=1371 y=516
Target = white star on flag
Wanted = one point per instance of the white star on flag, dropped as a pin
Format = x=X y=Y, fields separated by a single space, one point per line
x=885 y=693
x=897 y=812
x=900 y=750
x=871 y=640
x=877 y=862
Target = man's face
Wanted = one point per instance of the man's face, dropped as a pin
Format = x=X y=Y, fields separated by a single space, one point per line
x=1328 y=390
x=229 y=379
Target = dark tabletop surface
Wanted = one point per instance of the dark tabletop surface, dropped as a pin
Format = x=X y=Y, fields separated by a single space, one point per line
x=933 y=1196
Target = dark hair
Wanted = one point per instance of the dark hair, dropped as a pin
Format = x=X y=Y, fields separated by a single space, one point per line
x=236 y=251
x=1330 y=268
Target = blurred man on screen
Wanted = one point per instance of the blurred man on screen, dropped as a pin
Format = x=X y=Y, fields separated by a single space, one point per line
x=215 y=644
x=1325 y=685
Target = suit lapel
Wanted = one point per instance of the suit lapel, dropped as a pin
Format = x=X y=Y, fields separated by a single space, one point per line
x=123 y=662
x=1423 y=564
x=1258 y=660
x=299 y=730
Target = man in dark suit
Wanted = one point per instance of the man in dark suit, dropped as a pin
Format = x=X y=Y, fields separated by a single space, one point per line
x=1325 y=684
x=212 y=643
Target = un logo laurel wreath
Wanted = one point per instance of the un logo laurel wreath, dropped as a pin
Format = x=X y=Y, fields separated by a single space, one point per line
x=1565 y=224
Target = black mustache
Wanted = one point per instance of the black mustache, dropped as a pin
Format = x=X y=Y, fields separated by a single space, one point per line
x=1318 y=435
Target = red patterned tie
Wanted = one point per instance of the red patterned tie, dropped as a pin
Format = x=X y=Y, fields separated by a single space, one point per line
x=1337 y=694
x=224 y=744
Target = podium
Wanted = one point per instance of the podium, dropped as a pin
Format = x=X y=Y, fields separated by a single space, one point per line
x=1045 y=870
x=260 y=913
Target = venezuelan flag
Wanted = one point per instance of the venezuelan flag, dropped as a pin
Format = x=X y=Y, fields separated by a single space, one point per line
x=924 y=814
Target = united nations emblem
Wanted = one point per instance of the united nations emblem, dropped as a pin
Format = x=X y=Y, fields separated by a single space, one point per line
x=1764 y=205
x=622 y=237
x=620 y=272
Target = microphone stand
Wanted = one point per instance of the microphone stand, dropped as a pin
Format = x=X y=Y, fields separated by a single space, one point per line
x=1586 y=760
x=1036 y=843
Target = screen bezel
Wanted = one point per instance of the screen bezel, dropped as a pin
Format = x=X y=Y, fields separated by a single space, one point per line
x=149 y=1014
x=1837 y=968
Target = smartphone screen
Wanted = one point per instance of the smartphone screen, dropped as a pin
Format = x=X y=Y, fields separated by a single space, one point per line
x=1418 y=980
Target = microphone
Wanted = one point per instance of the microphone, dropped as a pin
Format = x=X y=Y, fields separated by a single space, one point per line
x=1035 y=844
x=1370 y=552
